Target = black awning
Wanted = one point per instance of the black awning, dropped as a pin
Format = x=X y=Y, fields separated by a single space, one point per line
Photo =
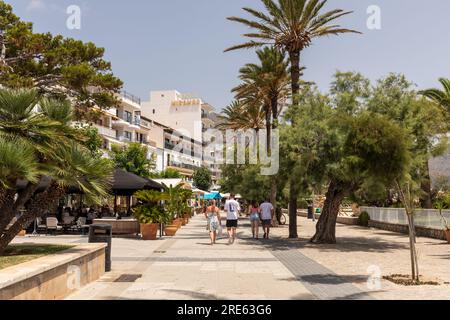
x=126 y=183
x=123 y=184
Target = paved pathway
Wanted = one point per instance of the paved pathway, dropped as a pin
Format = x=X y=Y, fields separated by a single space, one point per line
x=187 y=267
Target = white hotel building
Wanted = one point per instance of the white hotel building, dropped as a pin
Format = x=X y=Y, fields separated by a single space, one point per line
x=170 y=124
x=188 y=117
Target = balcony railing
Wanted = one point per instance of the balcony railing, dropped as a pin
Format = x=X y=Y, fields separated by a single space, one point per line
x=183 y=165
x=105 y=131
x=124 y=139
x=131 y=97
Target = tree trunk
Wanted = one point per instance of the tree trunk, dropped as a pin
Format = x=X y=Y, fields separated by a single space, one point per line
x=412 y=245
x=326 y=226
x=427 y=199
x=9 y=208
x=293 y=193
x=38 y=206
x=268 y=129
x=293 y=190
x=273 y=198
x=274 y=180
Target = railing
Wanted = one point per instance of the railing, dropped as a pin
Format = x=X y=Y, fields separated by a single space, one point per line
x=105 y=131
x=422 y=218
x=131 y=97
x=124 y=139
x=183 y=166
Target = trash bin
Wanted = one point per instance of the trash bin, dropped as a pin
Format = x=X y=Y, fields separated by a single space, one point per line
x=310 y=212
x=102 y=233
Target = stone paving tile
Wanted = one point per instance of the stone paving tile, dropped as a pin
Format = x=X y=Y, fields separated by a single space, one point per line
x=320 y=281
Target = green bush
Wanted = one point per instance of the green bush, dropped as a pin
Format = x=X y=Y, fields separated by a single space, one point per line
x=364 y=219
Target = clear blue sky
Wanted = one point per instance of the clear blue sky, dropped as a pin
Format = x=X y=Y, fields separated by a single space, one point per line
x=178 y=44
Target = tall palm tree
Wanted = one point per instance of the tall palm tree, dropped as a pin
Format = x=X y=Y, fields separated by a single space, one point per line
x=442 y=97
x=39 y=145
x=291 y=26
x=267 y=82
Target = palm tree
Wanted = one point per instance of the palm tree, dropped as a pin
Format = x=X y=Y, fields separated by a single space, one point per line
x=246 y=115
x=39 y=145
x=267 y=82
x=291 y=26
x=442 y=97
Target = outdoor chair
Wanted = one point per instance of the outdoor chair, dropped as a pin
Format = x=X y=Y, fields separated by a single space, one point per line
x=52 y=225
x=68 y=222
x=40 y=225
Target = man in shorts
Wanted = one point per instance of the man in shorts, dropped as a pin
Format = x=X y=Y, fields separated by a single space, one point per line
x=267 y=214
x=232 y=208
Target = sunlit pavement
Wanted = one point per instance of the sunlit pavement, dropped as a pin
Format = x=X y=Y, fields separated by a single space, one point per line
x=188 y=267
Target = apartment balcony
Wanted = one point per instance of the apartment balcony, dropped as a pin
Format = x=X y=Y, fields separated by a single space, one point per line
x=105 y=131
x=133 y=123
x=124 y=139
x=149 y=143
x=179 y=165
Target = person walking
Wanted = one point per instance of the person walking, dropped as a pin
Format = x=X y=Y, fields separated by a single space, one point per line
x=212 y=215
x=232 y=208
x=255 y=218
x=267 y=212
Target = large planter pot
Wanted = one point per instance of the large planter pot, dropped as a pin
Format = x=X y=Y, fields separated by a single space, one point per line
x=170 y=230
x=149 y=231
x=447 y=232
x=178 y=223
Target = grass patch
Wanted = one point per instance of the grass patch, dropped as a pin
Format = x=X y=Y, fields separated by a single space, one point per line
x=17 y=254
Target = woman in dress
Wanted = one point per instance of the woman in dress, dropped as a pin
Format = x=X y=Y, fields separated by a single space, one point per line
x=255 y=219
x=213 y=217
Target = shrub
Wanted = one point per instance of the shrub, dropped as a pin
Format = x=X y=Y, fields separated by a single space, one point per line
x=364 y=219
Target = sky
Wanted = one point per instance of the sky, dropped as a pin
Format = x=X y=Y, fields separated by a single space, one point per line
x=178 y=44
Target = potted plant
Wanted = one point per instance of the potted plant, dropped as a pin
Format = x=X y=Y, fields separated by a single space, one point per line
x=441 y=206
x=186 y=210
x=150 y=213
x=442 y=203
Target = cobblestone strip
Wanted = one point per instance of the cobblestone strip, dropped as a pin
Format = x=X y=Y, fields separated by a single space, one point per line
x=320 y=281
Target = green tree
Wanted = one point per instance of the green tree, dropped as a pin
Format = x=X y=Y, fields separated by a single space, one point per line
x=363 y=145
x=134 y=158
x=166 y=174
x=291 y=26
x=94 y=142
x=44 y=151
x=55 y=66
x=394 y=96
x=202 y=179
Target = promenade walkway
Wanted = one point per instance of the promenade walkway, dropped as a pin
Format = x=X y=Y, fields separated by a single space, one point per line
x=187 y=267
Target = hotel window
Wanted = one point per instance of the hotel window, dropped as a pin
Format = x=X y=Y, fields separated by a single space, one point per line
x=127 y=135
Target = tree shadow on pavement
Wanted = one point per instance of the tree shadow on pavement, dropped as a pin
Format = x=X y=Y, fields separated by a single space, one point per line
x=344 y=244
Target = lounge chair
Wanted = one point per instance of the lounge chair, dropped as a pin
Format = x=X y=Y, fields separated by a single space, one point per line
x=52 y=225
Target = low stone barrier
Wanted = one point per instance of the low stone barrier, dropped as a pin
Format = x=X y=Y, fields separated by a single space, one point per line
x=353 y=221
x=55 y=276
x=399 y=228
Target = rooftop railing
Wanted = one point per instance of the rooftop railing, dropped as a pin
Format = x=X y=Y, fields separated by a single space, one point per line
x=130 y=97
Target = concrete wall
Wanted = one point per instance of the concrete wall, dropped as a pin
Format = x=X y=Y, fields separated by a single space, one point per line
x=53 y=277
